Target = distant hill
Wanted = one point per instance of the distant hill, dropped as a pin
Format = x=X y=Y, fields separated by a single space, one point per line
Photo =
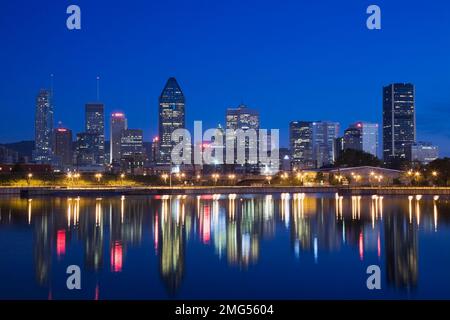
x=23 y=148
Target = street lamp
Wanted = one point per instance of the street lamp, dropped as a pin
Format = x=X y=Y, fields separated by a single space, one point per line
x=70 y=176
x=29 y=176
x=216 y=177
x=122 y=177
x=269 y=178
x=98 y=176
x=77 y=176
x=165 y=176
x=231 y=177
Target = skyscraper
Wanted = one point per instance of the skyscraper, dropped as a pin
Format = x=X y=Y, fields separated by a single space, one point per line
x=63 y=147
x=131 y=142
x=118 y=124
x=324 y=134
x=155 y=150
x=362 y=136
x=86 y=149
x=171 y=117
x=243 y=118
x=132 y=151
x=95 y=124
x=399 y=120
x=43 y=127
x=301 y=144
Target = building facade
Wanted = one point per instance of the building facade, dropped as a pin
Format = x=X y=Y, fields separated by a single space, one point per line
x=362 y=136
x=43 y=128
x=95 y=125
x=62 y=144
x=399 y=120
x=423 y=152
x=132 y=151
x=324 y=134
x=243 y=118
x=301 y=144
x=118 y=125
x=171 y=117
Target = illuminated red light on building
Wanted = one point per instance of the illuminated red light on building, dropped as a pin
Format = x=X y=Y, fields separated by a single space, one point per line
x=61 y=242
x=116 y=257
x=118 y=115
x=155 y=138
x=61 y=130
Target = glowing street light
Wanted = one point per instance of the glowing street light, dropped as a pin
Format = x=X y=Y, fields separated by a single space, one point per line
x=98 y=176
x=434 y=173
x=231 y=177
x=216 y=177
x=165 y=176
x=29 y=176
x=269 y=178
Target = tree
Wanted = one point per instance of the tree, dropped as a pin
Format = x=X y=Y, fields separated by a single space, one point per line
x=441 y=170
x=356 y=158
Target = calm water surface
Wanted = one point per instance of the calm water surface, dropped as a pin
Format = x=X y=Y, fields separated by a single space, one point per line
x=289 y=246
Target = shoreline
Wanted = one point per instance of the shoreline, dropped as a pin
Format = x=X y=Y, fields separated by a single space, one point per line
x=28 y=192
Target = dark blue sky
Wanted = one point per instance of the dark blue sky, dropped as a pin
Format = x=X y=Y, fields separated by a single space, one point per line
x=305 y=60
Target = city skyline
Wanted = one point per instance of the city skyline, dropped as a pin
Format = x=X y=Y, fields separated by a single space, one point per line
x=398 y=130
x=289 y=74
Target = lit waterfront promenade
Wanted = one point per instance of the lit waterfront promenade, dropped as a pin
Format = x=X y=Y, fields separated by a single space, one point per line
x=199 y=190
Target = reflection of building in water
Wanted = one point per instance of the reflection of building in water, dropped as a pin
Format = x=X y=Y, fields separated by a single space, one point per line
x=301 y=238
x=219 y=228
x=126 y=221
x=401 y=243
x=91 y=233
x=171 y=249
x=43 y=248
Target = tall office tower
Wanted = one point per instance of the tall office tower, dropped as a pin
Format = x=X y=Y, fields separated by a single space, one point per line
x=118 y=124
x=324 y=134
x=43 y=127
x=155 y=150
x=171 y=117
x=86 y=148
x=131 y=142
x=362 y=136
x=399 y=120
x=301 y=144
x=62 y=147
x=243 y=118
x=132 y=151
x=95 y=124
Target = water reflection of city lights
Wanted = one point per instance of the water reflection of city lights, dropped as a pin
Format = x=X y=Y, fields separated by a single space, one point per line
x=29 y=210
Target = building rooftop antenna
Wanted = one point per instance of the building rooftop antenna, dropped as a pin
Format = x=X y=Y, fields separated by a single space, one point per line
x=51 y=84
x=98 y=88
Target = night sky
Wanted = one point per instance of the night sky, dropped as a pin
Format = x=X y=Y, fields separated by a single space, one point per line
x=291 y=60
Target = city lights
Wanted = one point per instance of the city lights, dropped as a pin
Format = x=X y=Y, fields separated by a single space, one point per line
x=98 y=176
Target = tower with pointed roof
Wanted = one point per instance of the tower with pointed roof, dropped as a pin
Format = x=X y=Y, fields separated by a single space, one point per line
x=171 y=117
